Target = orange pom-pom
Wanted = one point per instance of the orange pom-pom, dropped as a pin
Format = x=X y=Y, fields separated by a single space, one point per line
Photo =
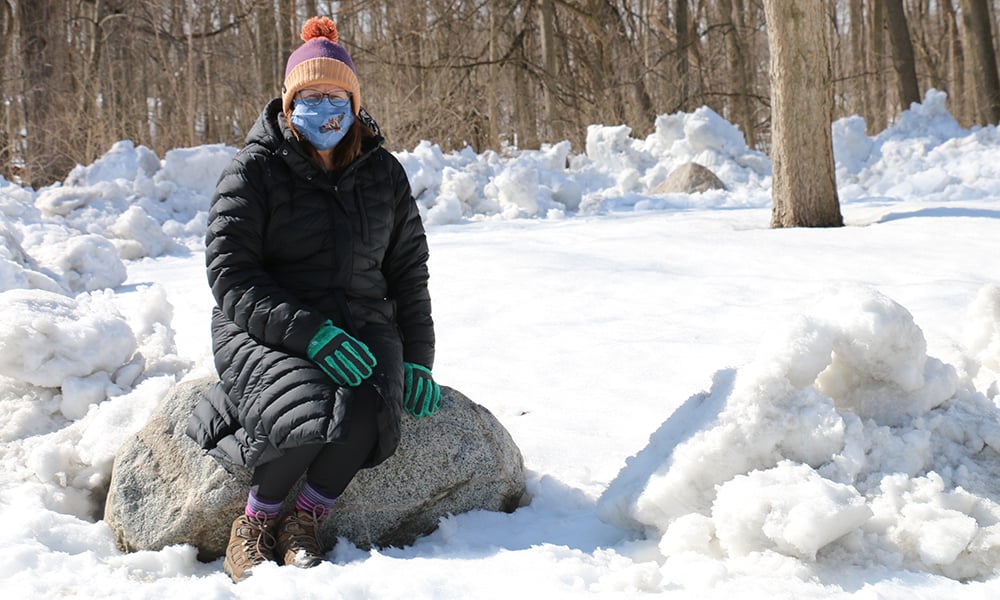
x=323 y=27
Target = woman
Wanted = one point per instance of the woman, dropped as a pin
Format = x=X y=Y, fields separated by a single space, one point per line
x=317 y=259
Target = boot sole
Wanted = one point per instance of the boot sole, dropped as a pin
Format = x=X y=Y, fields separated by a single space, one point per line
x=227 y=568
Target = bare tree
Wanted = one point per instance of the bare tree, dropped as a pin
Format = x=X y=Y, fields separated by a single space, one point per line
x=550 y=64
x=805 y=187
x=484 y=73
x=739 y=72
x=956 y=61
x=902 y=53
x=976 y=19
x=45 y=89
x=682 y=27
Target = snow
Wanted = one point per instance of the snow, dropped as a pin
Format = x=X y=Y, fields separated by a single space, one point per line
x=706 y=407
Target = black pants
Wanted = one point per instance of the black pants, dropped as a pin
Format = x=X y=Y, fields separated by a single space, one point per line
x=328 y=467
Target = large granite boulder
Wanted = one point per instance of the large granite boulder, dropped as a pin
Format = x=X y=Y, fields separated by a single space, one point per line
x=689 y=178
x=165 y=490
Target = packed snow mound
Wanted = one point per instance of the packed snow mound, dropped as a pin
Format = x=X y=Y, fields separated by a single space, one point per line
x=77 y=376
x=924 y=154
x=841 y=441
x=47 y=337
x=144 y=206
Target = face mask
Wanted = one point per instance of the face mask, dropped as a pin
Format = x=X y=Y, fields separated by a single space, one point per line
x=325 y=124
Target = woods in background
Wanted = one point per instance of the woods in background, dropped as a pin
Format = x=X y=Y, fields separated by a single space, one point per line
x=78 y=75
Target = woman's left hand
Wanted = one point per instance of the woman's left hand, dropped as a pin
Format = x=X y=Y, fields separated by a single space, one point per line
x=421 y=394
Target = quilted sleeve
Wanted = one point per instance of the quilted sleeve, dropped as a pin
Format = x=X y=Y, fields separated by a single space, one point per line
x=244 y=291
x=405 y=269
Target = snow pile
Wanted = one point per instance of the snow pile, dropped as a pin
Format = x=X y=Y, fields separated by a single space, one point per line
x=925 y=154
x=76 y=378
x=144 y=207
x=982 y=339
x=614 y=174
x=841 y=441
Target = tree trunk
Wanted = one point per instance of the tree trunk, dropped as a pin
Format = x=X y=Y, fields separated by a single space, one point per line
x=6 y=101
x=976 y=19
x=956 y=66
x=737 y=61
x=269 y=67
x=681 y=29
x=526 y=128
x=44 y=82
x=550 y=77
x=878 y=119
x=804 y=180
x=493 y=111
x=902 y=54
x=858 y=102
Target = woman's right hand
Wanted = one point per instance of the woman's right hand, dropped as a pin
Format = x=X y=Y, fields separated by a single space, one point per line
x=343 y=357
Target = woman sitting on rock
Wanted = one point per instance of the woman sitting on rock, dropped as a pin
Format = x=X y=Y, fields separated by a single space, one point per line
x=317 y=259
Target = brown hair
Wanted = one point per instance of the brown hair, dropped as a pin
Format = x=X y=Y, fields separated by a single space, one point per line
x=348 y=149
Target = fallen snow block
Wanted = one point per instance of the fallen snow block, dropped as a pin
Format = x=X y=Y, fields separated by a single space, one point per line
x=789 y=508
x=164 y=490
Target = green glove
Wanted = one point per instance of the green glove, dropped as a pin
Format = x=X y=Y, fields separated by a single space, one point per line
x=421 y=395
x=347 y=360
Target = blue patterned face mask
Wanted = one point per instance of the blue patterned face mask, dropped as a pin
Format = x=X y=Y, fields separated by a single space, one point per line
x=323 y=124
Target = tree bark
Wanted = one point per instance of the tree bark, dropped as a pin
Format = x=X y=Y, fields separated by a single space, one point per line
x=976 y=19
x=682 y=28
x=527 y=137
x=550 y=78
x=737 y=61
x=878 y=119
x=45 y=87
x=6 y=124
x=804 y=180
x=858 y=101
x=956 y=65
x=902 y=54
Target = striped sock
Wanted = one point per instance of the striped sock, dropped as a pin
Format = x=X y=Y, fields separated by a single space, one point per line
x=310 y=500
x=257 y=505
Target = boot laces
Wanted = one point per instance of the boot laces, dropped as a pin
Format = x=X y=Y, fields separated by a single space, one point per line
x=302 y=530
x=257 y=537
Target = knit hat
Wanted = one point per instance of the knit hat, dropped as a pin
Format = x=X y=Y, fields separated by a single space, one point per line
x=321 y=59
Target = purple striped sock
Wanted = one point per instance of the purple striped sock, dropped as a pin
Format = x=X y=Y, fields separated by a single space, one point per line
x=257 y=505
x=309 y=500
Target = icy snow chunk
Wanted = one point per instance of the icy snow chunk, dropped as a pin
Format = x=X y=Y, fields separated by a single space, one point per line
x=841 y=435
x=789 y=508
x=981 y=334
x=46 y=338
x=80 y=393
x=124 y=161
x=84 y=262
x=18 y=270
x=852 y=147
x=927 y=523
x=879 y=368
x=138 y=235
x=614 y=150
x=195 y=168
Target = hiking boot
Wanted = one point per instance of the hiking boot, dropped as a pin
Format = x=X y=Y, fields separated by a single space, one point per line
x=251 y=543
x=298 y=539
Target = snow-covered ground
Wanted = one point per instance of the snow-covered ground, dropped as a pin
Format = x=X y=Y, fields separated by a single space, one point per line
x=706 y=407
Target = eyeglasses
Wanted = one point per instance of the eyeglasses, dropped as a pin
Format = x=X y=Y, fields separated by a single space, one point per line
x=311 y=97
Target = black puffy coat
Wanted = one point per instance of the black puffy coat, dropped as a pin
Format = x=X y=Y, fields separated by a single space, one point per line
x=288 y=247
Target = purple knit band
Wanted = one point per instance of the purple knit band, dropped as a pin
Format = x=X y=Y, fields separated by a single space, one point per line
x=319 y=48
x=311 y=501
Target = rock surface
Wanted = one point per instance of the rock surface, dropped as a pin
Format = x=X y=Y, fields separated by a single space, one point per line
x=689 y=178
x=164 y=490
